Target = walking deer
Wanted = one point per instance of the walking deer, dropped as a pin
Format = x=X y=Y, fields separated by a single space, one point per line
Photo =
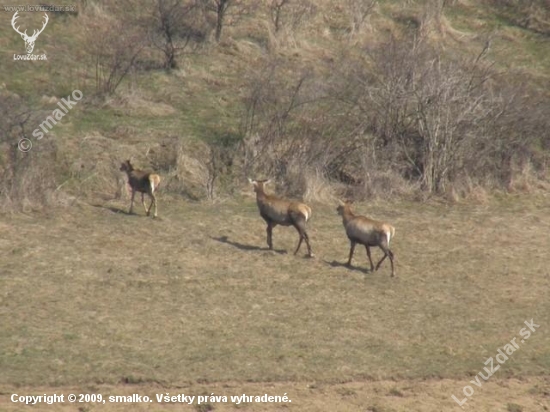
x=143 y=182
x=276 y=211
x=367 y=232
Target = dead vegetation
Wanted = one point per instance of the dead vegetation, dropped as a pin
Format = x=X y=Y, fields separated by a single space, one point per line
x=410 y=100
x=214 y=307
x=355 y=99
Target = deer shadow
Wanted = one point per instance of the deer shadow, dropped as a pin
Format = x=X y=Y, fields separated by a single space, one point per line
x=336 y=264
x=242 y=246
x=116 y=209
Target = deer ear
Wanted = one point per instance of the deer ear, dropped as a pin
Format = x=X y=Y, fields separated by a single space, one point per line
x=340 y=202
x=251 y=181
x=267 y=181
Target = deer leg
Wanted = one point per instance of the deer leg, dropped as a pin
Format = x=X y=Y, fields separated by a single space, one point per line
x=381 y=260
x=299 y=244
x=143 y=203
x=351 y=250
x=370 y=259
x=390 y=254
x=132 y=202
x=155 y=202
x=387 y=253
x=306 y=238
x=300 y=227
x=270 y=236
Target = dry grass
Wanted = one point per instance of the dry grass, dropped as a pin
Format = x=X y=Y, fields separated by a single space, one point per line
x=93 y=298
x=386 y=396
x=133 y=104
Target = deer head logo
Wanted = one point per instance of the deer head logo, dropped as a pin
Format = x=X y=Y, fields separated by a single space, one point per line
x=29 y=40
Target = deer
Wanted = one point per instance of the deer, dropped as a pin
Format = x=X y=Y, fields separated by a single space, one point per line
x=143 y=182
x=276 y=211
x=367 y=232
x=29 y=40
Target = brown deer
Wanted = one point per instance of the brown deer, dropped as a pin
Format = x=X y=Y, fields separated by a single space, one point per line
x=143 y=182
x=367 y=232
x=276 y=211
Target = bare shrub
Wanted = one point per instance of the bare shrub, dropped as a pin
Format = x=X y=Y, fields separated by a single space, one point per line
x=276 y=11
x=174 y=27
x=358 y=12
x=422 y=108
x=398 y=117
x=271 y=111
x=227 y=12
x=112 y=45
x=445 y=123
x=381 y=183
x=289 y=14
x=220 y=7
x=28 y=180
x=291 y=128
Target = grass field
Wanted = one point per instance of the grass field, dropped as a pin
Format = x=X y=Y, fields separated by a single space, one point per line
x=93 y=300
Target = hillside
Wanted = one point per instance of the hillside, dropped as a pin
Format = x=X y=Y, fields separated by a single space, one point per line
x=431 y=115
x=312 y=95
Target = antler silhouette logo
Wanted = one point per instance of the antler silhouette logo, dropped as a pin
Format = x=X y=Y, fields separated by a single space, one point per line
x=29 y=40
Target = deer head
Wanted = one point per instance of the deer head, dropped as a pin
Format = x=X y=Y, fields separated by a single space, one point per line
x=29 y=40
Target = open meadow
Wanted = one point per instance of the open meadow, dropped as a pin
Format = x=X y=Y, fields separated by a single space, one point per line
x=431 y=115
x=94 y=300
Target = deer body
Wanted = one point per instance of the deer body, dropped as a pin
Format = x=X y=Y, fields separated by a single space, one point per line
x=276 y=211
x=143 y=182
x=368 y=232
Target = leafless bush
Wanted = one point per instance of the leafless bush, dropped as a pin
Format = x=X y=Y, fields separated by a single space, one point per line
x=227 y=12
x=437 y=120
x=176 y=26
x=27 y=180
x=419 y=107
x=275 y=12
x=289 y=127
x=112 y=46
x=402 y=116
x=519 y=137
x=358 y=13
x=289 y=14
